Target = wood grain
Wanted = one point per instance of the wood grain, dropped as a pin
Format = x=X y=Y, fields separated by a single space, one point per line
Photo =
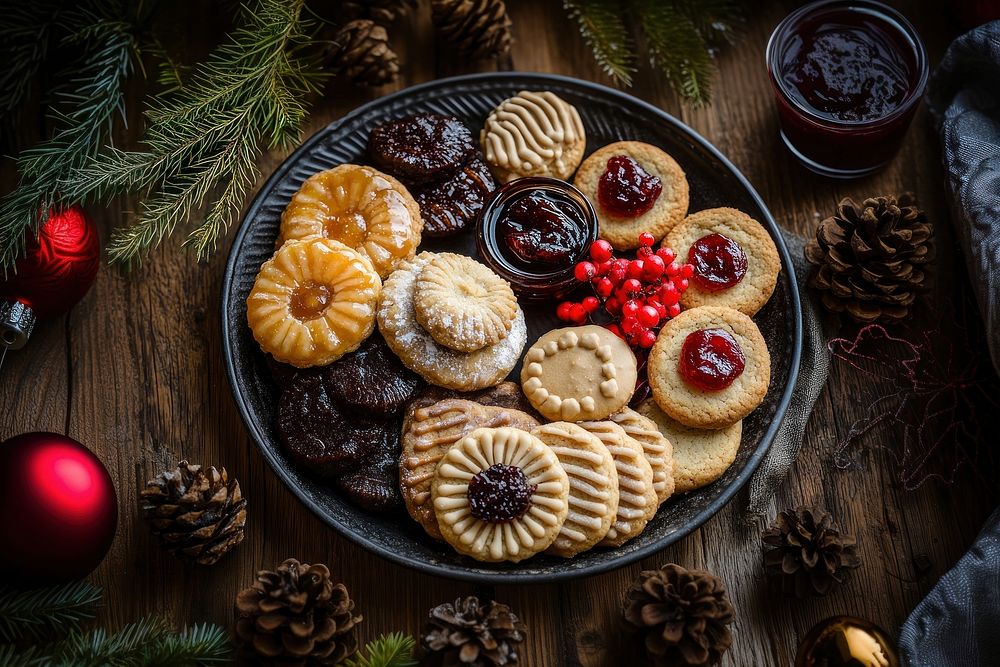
x=135 y=371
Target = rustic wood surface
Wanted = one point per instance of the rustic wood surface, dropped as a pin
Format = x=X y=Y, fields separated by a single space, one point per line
x=136 y=372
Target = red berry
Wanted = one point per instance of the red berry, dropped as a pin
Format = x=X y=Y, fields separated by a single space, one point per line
x=661 y=310
x=673 y=268
x=577 y=313
x=630 y=325
x=669 y=294
x=635 y=268
x=646 y=239
x=562 y=311
x=630 y=309
x=590 y=304
x=602 y=268
x=666 y=254
x=682 y=284
x=584 y=271
x=613 y=306
x=615 y=329
x=647 y=338
x=632 y=285
x=644 y=252
x=653 y=268
x=674 y=309
x=687 y=271
x=604 y=287
x=600 y=250
x=647 y=316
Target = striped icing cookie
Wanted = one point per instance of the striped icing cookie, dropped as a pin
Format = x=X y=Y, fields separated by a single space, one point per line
x=655 y=446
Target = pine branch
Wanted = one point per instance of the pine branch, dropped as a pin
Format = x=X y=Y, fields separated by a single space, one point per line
x=604 y=31
x=45 y=612
x=392 y=650
x=676 y=49
x=717 y=21
x=98 y=648
x=25 y=28
x=199 y=645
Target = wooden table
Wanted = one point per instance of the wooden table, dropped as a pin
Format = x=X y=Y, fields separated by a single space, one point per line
x=136 y=372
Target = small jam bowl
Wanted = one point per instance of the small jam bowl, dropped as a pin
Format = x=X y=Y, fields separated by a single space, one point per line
x=530 y=286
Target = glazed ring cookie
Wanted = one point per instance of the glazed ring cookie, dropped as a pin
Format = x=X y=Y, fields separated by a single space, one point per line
x=462 y=304
x=655 y=446
x=593 y=486
x=417 y=349
x=533 y=134
x=736 y=262
x=695 y=370
x=313 y=302
x=500 y=495
x=668 y=209
x=579 y=373
x=429 y=430
x=700 y=456
x=359 y=206
x=637 y=502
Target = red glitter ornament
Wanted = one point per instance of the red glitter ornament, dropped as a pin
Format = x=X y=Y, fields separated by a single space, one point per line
x=58 y=509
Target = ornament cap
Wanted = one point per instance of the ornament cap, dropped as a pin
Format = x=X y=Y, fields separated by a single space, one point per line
x=16 y=324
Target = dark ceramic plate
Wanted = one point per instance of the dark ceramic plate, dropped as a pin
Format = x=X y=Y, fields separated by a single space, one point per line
x=608 y=116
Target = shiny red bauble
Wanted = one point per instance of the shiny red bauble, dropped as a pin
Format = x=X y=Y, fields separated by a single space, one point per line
x=58 y=510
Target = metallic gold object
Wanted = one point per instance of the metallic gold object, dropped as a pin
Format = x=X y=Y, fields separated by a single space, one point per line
x=846 y=641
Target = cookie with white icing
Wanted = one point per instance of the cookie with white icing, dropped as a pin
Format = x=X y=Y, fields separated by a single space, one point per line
x=655 y=446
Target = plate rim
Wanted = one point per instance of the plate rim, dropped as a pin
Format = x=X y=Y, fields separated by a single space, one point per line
x=450 y=571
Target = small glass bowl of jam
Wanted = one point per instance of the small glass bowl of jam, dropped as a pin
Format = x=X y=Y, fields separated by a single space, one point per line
x=848 y=76
x=532 y=232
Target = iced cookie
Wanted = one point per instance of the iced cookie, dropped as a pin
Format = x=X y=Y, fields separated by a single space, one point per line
x=655 y=447
x=635 y=188
x=700 y=456
x=440 y=365
x=709 y=367
x=462 y=304
x=313 y=302
x=735 y=260
x=578 y=373
x=362 y=208
x=430 y=428
x=533 y=134
x=593 y=486
x=500 y=494
x=637 y=501
x=421 y=148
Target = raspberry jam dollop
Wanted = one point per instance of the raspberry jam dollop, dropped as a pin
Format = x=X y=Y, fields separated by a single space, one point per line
x=719 y=262
x=499 y=494
x=626 y=189
x=711 y=359
x=542 y=228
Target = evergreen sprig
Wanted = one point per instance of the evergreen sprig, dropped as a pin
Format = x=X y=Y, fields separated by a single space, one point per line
x=602 y=26
x=392 y=650
x=41 y=613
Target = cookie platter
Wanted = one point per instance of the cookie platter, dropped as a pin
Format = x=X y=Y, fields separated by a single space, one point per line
x=363 y=510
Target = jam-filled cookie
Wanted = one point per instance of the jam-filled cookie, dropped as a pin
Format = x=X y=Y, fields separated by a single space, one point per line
x=313 y=302
x=462 y=304
x=593 y=486
x=655 y=447
x=578 y=373
x=735 y=260
x=500 y=494
x=450 y=205
x=635 y=188
x=362 y=208
x=421 y=148
x=709 y=367
x=533 y=134
x=700 y=456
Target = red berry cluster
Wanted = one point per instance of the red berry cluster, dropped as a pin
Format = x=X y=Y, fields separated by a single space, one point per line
x=639 y=294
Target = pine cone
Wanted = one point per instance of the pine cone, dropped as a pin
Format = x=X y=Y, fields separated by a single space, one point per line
x=464 y=633
x=476 y=28
x=360 y=51
x=196 y=513
x=383 y=12
x=869 y=259
x=296 y=616
x=682 y=615
x=810 y=552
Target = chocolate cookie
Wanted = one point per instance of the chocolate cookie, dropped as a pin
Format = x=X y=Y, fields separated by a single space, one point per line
x=374 y=486
x=450 y=205
x=421 y=148
x=372 y=380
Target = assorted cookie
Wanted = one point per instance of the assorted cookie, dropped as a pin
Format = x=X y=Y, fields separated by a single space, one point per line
x=655 y=447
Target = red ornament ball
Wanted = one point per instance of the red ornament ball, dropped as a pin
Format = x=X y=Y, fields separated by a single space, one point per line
x=58 y=510
x=59 y=266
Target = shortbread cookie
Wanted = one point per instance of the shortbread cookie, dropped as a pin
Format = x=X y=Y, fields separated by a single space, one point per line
x=313 y=302
x=500 y=495
x=664 y=204
x=735 y=260
x=417 y=349
x=578 y=373
x=533 y=134
x=655 y=447
x=709 y=367
x=637 y=502
x=430 y=428
x=700 y=456
x=593 y=486
x=462 y=304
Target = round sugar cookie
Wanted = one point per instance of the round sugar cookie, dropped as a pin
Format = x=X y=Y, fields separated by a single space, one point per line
x=655 y=446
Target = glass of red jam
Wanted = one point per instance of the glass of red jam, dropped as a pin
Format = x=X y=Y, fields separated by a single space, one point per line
x=532 y=232
x=848 y=76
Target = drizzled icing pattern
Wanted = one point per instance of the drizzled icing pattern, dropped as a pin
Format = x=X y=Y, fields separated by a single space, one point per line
x=655 y=447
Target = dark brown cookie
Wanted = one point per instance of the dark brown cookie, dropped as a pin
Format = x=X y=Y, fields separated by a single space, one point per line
x=374 y=486
x=421 y=148
x=451 y=205
x=372 y=380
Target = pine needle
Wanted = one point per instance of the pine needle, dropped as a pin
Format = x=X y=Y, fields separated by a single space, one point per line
x=676 y=49
x=200 y=644
x=604 y=31
x=392 y=650
x=24 y=43
x=41 y=613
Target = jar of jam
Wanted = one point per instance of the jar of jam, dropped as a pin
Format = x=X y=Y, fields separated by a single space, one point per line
x=532 y=232
x=848 y=76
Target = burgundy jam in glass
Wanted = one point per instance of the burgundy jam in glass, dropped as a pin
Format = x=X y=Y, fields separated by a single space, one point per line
x=532 y=232
x=847 y=75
